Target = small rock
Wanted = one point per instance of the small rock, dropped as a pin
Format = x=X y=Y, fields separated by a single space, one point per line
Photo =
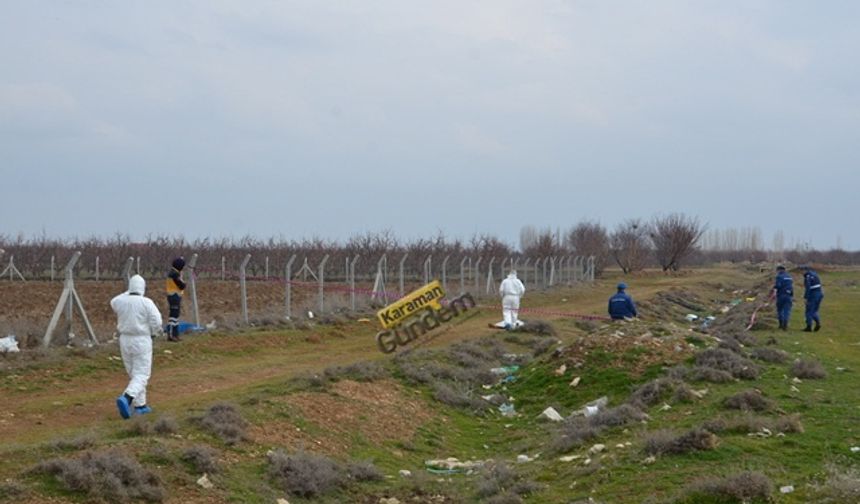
x=561 y=370
x=389 y=500
x=575 y=382
x=796 y=380
x=795 y=389
x=787 y=489
x=665 y=407
x=522 y=459
x=855 y=449
x=650 y=460
x=597 y=448
x=205 y=483
x=405 y=473
x=586 y=461
x=620 y=446
x=282 y=501
x=168 y=352
x=840 y=369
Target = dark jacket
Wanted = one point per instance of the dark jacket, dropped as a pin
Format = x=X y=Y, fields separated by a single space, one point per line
x=621 y=306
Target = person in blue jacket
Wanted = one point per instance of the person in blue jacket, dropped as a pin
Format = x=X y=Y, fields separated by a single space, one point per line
x=783 y=290
x=621 y=304
x=813 y=294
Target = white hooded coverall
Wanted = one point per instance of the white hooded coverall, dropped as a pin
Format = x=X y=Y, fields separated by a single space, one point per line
x=137 y=320
x=511 y=290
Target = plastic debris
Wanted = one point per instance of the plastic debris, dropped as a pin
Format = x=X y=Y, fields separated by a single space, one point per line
x=505 y=370
x=665 y=407
x=389 y=500
x=507 y=410
x=406 y=473
x=787 y=489
x=597 y=448
x=205 y=483
x=575 y=381
x=551 y=414
x=9 y=344
x=569 y=458
x=691 y=317
x=282 y=501
x=561 y=370
x=522 y=459
x=855 y=449
x=592 y=408
x=452 y=465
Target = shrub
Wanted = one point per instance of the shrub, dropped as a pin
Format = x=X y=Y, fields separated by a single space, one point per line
x=662 y=442
x=305 y=474
x=575 y=432
x=225 y=421
x=730 y=362
x=709 y=374
x=748 y=400
x=12 y=491
x=457 y=397
x=202 y=459
x=81 y=442
x=808 y=369
x=107 y=475
x=501 y=481
x=749 y=423
x=842 y=485
x=360 y=371
x=364 y=471
x=772 y=355
x=653 y=391
x=537 y=326
x=741 y=487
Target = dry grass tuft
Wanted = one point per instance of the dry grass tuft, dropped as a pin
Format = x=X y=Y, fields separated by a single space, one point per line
x=748 y=400
x=808 y=369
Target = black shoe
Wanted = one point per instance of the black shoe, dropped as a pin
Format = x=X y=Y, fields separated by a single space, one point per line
x=817 y=327
x=175 y=339
x=807 y=329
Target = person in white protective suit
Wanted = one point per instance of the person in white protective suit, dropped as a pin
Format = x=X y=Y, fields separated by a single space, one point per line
x=138 y=320
x=511 y=290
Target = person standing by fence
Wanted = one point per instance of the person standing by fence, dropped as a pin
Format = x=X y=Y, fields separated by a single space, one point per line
x=175 y=288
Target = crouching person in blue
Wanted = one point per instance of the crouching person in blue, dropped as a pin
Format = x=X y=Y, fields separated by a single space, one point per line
x=621 y=304
x=813 y=294
x=783 y=290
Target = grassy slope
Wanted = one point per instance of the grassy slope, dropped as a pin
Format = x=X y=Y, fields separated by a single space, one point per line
x=209 y=369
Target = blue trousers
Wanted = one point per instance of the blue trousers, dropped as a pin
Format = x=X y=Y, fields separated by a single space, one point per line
x=813 y=303
x=783 y=309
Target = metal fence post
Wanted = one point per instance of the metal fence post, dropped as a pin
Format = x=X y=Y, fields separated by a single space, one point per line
x=267 y=268
x=52 y=268
x=445 y=273
x=463 y=273
x=126 y=271
x=402 y=283
x=192 y=284
x=223 y=268
x=352 y=281
x=138 y=265
x=526 y=271
x=591 y=268
x=428 y=269
x=490 y=278
x=552 y=271
x=288 y=283
x=97 y=268
x=379 y=281
x=477 y=272
x=321 y=279
x=243 y=287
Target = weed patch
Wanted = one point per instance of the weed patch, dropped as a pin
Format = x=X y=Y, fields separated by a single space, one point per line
x=772 y=355
x=364 y=471
x=748 y=400
x=667 y=442
x=709 y=374
x=111 y=476
x=808 y=369
x=225 y=421
x=842 y=485
x=728 y=361
x=74 y=444
x=305 y=474
x=503 y=483
x=741 y=487
x=202 y=459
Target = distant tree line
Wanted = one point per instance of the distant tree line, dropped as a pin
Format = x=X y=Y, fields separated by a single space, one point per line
x=666 y=241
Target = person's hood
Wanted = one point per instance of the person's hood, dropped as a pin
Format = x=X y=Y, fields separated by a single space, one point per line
x=137 y=285
x=512 y=274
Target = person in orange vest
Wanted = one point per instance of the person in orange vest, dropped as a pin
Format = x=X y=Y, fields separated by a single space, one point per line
x=175 y=287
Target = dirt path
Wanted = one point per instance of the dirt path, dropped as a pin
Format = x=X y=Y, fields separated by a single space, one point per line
x=78 y=394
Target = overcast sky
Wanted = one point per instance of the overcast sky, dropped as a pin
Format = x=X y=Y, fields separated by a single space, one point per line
x=270 y=118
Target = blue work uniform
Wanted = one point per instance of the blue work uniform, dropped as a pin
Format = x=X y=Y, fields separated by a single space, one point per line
x=813 y=294
x=784 y=288
x=621 y=306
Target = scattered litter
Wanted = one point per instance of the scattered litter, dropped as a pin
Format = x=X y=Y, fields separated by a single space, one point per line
x=796 y=380
x=8 y=344
x=575 y=382
x=855 y=449
x=596 y=448
x=211 y=326
x=787 y=489
x=551 y=414
x=310 y=314
x=389 y=500
x=522 y=459
x=505 y=370
x=700 y=393
x=840 y=369
x=750 y=299
x=285 y=501
x=569 y=458
x=763 y=433
x=168 y=352
x=691 y=317
x=586 y=461
x=507 y=410
x=561 y=370
x=665 y=407
x=620 y=446
x=363 y=320
x=591 y=410
x=406 y=473
x=650 y=460
x=452 y=465
x=795 y=389
x=205 y=483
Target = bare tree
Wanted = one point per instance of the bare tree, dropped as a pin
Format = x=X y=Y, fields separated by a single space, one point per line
x=629 y=245
x=674 y=238
x=543 y=243
x=590 y=239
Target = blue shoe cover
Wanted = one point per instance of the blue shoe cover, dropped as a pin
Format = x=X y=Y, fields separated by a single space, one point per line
x=123 y=406
x=142 y=410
